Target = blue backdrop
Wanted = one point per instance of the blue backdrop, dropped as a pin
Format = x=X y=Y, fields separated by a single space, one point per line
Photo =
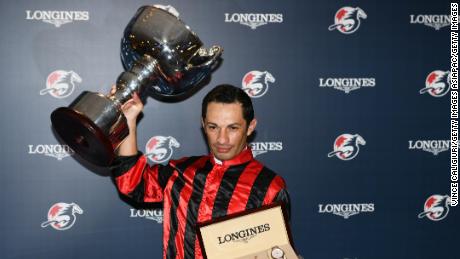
x=353 y=112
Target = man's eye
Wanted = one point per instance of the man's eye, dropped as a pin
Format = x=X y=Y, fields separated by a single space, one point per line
x=234 y=128
x=212 y=127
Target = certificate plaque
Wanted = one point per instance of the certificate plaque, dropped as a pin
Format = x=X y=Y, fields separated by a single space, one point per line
x=261 y=233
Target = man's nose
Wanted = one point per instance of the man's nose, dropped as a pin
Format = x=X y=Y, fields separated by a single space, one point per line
x=222 y=136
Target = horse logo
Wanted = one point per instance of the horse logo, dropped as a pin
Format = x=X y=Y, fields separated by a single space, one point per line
x=159 y=149
x=255 y=83
x=346 y=146
x=436 y=207
x=347 y=19
x=168 y=8
x=61 y=216
x=437 y=83
x=60 y=83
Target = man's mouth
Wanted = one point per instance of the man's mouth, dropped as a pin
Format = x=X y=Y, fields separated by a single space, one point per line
x=223 y=149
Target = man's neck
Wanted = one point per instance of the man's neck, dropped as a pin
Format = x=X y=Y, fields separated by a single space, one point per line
x=244 y=156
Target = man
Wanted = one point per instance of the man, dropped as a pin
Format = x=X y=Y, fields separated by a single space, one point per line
x=200 y=188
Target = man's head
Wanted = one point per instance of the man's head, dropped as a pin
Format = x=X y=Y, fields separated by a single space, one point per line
x=228 y=119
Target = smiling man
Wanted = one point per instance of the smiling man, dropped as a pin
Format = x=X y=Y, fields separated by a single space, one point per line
x=200 y=188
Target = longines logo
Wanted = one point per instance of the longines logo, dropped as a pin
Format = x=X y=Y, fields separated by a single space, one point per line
x=244 y=235
x=57 y=151
x=433 y=146
x=264 y=147
x=347 y=84
x=254 y=20
x=155 y=215
x=346 y=210
x=57 y=18
x=437 y=21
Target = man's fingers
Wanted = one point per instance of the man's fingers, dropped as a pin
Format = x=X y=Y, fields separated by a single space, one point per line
x=134 y=100
x=113 y=89
x=136 y=97
x=127 y=104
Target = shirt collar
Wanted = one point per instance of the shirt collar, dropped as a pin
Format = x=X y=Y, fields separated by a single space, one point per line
x=244 y=156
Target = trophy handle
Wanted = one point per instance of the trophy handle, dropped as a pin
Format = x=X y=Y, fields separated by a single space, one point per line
x=205 y=58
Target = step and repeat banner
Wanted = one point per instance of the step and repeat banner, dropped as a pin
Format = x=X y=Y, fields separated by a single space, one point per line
x=353 y=100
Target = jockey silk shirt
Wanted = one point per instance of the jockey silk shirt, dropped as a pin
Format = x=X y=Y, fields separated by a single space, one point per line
x=197 y=189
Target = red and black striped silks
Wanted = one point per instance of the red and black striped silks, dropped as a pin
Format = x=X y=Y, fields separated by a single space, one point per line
x=197 y=189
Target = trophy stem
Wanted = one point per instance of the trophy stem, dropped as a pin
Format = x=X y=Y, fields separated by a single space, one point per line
x=143 y=73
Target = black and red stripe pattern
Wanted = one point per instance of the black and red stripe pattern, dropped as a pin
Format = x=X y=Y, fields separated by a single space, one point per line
x=197 y=189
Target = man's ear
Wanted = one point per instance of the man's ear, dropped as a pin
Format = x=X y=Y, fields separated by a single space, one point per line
x=202 y=124
x=252 y=126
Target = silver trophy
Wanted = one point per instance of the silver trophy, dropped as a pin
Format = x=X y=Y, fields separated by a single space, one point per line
x=161 y=55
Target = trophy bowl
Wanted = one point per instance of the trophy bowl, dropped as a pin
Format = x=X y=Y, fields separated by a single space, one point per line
x=159 y=53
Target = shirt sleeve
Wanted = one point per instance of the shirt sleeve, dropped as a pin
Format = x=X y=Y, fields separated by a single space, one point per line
x=136 y=179
x=283 y=197
x=277 y=192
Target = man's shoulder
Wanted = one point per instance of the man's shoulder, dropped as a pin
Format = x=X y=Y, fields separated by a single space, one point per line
x=264 y=167
x=268 y=173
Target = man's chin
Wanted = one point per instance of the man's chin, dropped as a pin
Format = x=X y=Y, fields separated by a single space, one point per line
x=224 y=157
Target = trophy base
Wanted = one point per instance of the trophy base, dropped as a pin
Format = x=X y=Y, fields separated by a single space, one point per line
x=83 y=136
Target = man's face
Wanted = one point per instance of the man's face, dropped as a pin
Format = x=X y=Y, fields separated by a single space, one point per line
x=226 y=129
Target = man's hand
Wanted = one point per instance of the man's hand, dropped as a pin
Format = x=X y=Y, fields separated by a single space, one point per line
x=131 y=109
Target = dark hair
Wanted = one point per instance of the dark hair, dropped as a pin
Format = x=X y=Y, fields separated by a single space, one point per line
x=229 y=94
